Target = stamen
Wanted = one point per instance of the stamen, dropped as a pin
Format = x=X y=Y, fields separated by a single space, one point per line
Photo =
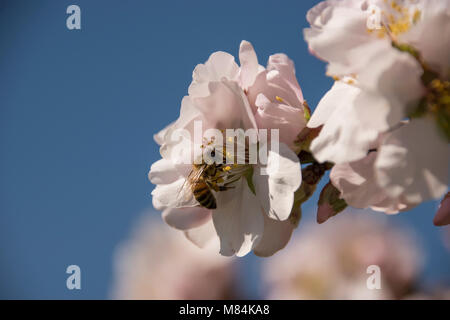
x=279 y=99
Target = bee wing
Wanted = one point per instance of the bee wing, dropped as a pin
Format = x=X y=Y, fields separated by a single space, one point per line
x=185 y=197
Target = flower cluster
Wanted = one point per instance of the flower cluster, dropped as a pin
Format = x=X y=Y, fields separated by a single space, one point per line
x=382 y=129
x=385 y=122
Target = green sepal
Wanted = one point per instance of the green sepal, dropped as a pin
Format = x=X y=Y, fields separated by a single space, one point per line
x=249 y=178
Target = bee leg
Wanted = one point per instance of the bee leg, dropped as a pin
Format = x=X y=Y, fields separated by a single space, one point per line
x=224 y=188
x=213 y=186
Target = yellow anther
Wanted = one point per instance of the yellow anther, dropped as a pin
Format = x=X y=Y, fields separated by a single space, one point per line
x=279 y=99
x=227 y=168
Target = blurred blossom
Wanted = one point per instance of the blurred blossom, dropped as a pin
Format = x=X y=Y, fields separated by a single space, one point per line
x=438 y=294
x=445 y=235
x=157 y=263
x=330 y=261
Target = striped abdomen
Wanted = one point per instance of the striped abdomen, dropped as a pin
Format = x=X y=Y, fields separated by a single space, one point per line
x=203 y=194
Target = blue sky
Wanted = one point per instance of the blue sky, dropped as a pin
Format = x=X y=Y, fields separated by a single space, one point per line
x=78 y=112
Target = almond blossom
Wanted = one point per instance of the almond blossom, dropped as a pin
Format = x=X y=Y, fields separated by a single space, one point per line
x=253 y=210
x=390 y=60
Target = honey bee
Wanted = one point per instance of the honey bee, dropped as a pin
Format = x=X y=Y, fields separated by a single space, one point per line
x=209 y=177
x=201 y=183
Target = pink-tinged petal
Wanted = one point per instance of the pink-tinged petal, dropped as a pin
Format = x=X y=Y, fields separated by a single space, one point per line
x=220 y=65
x=357 y=182
x=226 y=107
x=276 y=236
x=285 y=76
x=275 y=190
x=238 y=220
x=413 y=161
x=442 y=216
x=186 y=218
x=249 y=64
x=359 y=187
x=203 y=235
x=288 y=120
x=278 y=83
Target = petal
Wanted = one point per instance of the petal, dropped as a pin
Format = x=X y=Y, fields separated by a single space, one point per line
x=357 y=182
x=249 y=64
x=413 y=161
x=163 y=172
x=331 y=101
x=339 y=28
x=226 y=107
x=285 y=76
x=276 y=236
x=277 y=82
x=288 y=120
x=359 y=187
x=180 y=133
x=220 y=65
x=276 y=190
x=238 y=220
x=392 y=205
x=186 y=218
x=431 y=36
x=343 y=138
x=159 y=137
x=173 y=195
x=202 y=236
x=395 y=77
